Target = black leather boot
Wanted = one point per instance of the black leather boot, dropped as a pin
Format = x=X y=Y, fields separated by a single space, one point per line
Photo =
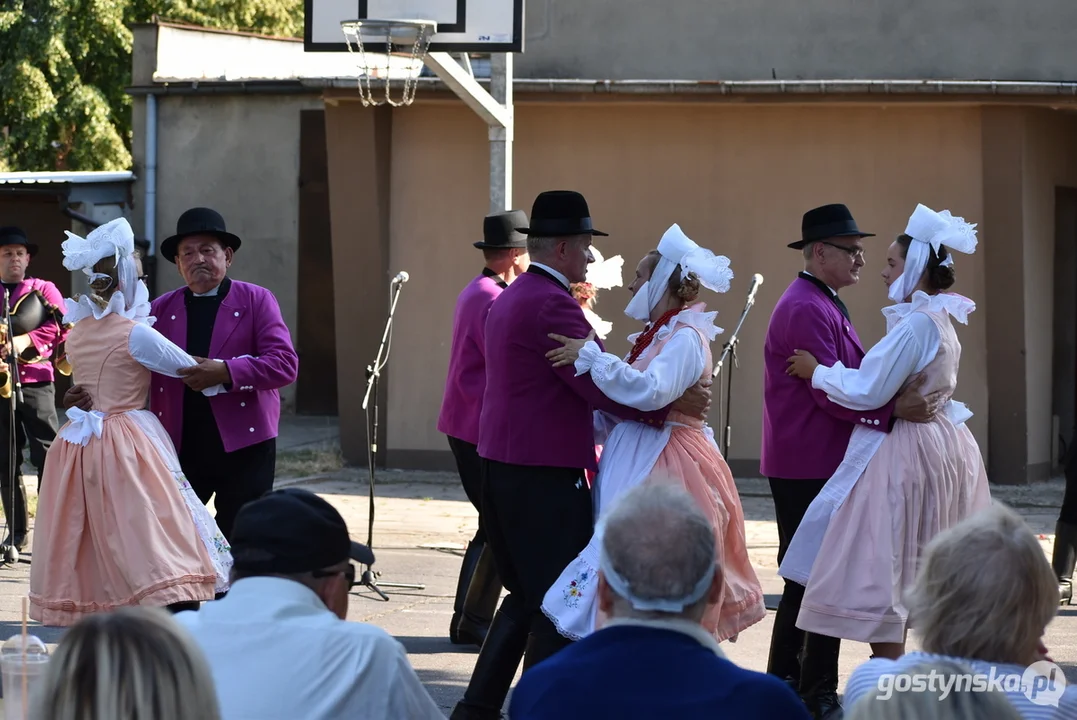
x=480 y=603
x=467 y=570
x=786 y=644
x=1064 y=558
x=819 y=676
x=494 y=670
x=17 y=518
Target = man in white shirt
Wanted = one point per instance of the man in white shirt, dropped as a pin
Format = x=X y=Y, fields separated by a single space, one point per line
x=278 y=643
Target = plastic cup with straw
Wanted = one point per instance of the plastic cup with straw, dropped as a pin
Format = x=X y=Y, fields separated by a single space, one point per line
x=23 y=661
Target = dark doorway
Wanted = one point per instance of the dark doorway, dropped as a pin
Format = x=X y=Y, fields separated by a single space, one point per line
x=1064 y=383
x=316 y=386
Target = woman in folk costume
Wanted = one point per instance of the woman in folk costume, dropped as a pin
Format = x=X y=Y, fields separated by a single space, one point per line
x=857 y=549
x=117 y=522
x=671 y=355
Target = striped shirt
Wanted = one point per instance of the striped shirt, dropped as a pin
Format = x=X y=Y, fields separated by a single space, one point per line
x=880 y=674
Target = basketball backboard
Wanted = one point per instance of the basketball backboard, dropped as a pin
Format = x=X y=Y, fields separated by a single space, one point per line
x=463 y=25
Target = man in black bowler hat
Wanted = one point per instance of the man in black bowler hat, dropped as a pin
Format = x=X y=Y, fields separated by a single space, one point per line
x=504 y=249
x=227 y=444
x=37 y=309
x=278 y=644
x=536 y=439
x=805 y=436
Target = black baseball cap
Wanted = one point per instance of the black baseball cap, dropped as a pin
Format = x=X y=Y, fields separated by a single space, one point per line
x=292 y=531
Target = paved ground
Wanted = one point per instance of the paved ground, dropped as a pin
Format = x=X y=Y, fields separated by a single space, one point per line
x=423 y=520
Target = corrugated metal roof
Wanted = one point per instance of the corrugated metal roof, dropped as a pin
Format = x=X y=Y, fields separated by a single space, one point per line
x=79 y=177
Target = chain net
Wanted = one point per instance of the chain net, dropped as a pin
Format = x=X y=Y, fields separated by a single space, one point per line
x=389 y=52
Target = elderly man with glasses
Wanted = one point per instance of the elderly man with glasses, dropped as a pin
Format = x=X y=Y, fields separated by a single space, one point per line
x=805 y=435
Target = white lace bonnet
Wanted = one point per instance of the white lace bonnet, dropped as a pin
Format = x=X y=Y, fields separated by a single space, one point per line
x=930 y=230
x=114 y=238
x=675 y=248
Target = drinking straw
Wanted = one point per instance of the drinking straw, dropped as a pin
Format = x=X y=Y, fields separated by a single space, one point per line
x=25 y=639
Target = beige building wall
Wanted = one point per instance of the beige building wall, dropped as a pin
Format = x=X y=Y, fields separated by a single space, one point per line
x=1050 y=161
x=736 y=178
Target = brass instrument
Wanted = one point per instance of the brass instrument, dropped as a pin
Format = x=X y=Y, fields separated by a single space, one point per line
x=31 y=311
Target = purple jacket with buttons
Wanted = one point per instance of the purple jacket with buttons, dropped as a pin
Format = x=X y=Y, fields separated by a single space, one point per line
x=805 y=434
x=45 y=338
x=252 y=339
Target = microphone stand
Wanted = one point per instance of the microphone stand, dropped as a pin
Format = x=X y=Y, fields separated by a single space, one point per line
x=730 y=350
x=369 y=577
x=11 y=553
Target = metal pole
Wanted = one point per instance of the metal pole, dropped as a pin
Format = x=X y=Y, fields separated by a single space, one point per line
x=501 y=138
x=149 y=226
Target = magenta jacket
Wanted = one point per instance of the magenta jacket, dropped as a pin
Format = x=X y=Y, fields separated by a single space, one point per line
x=248 y=324
x=533 y=413
x=45 y=338
x=805 y=435
x=466 y=381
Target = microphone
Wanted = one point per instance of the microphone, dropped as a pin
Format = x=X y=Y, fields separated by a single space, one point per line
x=401 y=277
x=757 y=280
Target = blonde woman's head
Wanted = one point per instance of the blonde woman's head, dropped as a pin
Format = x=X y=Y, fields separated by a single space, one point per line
x=947 y=698
x=984 y=590
x=131 y=664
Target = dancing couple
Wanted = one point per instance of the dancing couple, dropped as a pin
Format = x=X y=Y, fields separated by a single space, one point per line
x=868 y=457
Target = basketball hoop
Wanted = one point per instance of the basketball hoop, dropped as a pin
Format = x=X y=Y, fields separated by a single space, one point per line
x=388 y=51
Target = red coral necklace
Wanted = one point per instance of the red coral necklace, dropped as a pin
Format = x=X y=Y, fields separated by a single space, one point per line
x=645 y=338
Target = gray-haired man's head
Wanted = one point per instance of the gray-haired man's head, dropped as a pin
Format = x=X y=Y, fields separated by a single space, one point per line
x=658 y=550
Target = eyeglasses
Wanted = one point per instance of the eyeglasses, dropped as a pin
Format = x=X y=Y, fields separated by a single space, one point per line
x=348 y=573
x=854 y=252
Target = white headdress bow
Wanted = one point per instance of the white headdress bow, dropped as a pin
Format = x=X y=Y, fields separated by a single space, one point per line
x=113 y=239
x=675 y=248
x=605 y=274
x=931 y=230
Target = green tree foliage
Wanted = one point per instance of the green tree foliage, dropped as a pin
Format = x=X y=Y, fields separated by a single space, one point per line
x=65 y=64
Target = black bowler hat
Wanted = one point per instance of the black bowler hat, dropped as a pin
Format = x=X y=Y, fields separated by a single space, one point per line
x=559 y=213
x=12 y=235
x=292 y=531
x=826 y=222
x=198 y=221
x=499 y=231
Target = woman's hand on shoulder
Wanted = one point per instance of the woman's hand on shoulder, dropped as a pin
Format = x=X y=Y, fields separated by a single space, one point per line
x=802 y=364
x=569 y=350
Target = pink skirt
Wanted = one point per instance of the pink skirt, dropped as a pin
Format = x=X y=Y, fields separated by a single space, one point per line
x=925 y=478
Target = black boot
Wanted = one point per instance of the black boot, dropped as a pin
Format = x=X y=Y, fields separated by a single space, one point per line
x=787 y=640
x=1064 y=558
x=467 y=571
x=17 y=518
x=480 y=603
x=494 y=670
x=543 y=644
x=819 y=676
x=182 y=606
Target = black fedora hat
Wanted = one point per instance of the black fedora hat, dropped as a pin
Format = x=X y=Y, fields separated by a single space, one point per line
x=499 y=231
x=12 y=235
x=198 y=221
x=558 y=213
x=826 y=222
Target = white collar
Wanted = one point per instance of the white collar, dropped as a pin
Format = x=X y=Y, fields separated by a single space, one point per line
x=958 y=306
x=85 y=307
x=685 y=627
x=211 y=293
x=560 y=277
x=835 y=292
x=692 y=316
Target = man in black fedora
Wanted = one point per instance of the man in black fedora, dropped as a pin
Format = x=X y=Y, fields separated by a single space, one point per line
x=504 y=250
x=36 y=308
x=805 y=435
x=227 y=444
x=536 y=439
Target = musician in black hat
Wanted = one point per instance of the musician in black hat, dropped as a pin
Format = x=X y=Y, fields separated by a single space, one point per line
x=227 y=444
x=504 y=250
x=36 y=308
x=805 y=436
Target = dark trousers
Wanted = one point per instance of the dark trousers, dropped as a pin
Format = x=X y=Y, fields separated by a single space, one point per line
x=236 y=477
x=537 y=521
x=35 y=426
x=1068 y=514
x=469 y=466
x=807 y=661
